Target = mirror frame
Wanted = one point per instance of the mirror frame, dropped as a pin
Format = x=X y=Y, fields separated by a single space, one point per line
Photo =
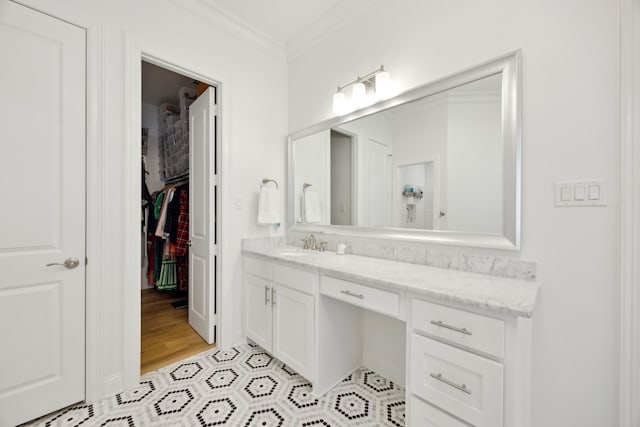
x=510 y=67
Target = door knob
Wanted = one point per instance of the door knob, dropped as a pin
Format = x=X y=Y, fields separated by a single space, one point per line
x=69 y=263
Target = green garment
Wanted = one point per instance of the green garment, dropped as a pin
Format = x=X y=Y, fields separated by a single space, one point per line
x=157 y=208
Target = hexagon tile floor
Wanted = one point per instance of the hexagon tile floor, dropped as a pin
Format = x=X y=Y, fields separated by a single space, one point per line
x=241 y=387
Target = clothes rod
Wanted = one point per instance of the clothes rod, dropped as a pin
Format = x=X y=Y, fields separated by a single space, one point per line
x=176 y=178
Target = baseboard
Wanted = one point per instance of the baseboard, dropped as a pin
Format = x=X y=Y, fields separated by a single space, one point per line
x=238 y=339
x=113 y=384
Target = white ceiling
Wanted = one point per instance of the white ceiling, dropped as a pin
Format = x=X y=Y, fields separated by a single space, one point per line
x=285 y=21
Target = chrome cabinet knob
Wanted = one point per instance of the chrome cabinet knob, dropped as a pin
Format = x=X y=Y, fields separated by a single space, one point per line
x=70 y=263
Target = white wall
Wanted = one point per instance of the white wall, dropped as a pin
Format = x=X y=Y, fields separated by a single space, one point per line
x=368 y=132
x=474 y=165
x=420 y=136
x=254 y=125
x=570 y=131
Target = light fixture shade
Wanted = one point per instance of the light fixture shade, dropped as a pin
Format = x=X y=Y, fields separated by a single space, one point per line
x=339 y=103
x=359 y=94
x=383 y=84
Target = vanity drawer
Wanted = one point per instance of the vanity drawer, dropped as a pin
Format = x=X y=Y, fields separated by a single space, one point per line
x=464 y=384
x=300 y=280
x=471 y=330
x=258 y=267
x=425 y=415
x=375 y=299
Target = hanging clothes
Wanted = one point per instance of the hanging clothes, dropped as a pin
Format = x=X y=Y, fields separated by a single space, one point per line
x=151 y=237
x=182 y=230
x=167 y=238
x=168 y=279
x=182 y=240
x=163 y=212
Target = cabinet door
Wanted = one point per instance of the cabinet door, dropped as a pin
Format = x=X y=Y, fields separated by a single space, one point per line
x=258 y=311
x=293 y=320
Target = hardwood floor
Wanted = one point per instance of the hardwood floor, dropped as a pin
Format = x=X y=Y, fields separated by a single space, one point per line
x=166 y=334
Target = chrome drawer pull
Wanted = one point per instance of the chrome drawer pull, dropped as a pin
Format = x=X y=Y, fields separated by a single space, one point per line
x=462 y=387
x=453 y=328
x=351 y=294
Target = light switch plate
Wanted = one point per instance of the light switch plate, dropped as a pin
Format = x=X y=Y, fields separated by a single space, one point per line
x=592 y=192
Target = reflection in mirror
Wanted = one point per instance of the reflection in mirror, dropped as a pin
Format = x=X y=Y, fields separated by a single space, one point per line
x=435 y=163
x=438 y=163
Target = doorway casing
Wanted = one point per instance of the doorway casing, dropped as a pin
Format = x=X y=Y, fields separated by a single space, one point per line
x=134 y=55
x=630 y=219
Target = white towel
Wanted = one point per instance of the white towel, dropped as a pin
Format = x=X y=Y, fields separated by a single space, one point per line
x=311 y=206
x=268 y=206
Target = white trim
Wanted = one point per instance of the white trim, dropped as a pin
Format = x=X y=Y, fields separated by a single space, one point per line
x=135 y=53
x=217 y=16
x=95 y=384
x=131 y=152
x=337 y=17
x=630 y=221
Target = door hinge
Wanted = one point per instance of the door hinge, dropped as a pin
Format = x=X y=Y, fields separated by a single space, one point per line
x=216 y=110
x=214 y=250
x=214 y=318
x=214 y=179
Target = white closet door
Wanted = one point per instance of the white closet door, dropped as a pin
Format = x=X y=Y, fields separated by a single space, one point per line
x=42 y=218
x=202 y=211
x=379 y=183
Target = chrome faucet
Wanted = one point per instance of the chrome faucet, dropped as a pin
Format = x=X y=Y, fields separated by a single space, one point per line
x=306 y=242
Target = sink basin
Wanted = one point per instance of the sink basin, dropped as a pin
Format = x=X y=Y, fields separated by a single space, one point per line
x=293 y=252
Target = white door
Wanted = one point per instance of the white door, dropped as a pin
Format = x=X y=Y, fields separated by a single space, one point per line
x=293 y=320
x=258 y=311
x=202 y=211
x=42 y=214
x=379 y=184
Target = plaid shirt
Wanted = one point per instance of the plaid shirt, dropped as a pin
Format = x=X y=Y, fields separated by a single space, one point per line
x=182 y=238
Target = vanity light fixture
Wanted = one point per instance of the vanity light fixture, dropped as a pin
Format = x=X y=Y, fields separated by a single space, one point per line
x=377 y=81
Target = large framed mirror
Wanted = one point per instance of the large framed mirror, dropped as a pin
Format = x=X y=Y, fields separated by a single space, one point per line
x=439 y=163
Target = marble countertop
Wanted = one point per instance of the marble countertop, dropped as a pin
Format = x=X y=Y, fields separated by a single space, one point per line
x=510 y=296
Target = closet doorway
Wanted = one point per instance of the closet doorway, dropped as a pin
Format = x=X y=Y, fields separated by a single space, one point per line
x=178 y=239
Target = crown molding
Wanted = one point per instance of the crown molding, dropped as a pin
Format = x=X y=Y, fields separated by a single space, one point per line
x=218 y=16
x=328 y=24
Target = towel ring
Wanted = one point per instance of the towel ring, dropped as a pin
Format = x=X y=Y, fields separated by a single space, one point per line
x=265 y=180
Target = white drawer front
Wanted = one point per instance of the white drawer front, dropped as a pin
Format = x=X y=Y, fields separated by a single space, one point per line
x=425 y=415
x=463 y=384
x=300 y=280
x=375 y=299
x=258 y=267
x=471 y=330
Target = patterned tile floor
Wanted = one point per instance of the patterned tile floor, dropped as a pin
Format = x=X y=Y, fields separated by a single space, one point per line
x=241 y=387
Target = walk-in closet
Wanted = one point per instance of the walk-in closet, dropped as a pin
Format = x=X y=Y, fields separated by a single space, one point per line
x=166 y=334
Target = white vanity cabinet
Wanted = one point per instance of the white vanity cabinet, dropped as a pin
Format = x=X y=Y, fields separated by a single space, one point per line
x=462 y=362
x=280 y=312
x=466 y=367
